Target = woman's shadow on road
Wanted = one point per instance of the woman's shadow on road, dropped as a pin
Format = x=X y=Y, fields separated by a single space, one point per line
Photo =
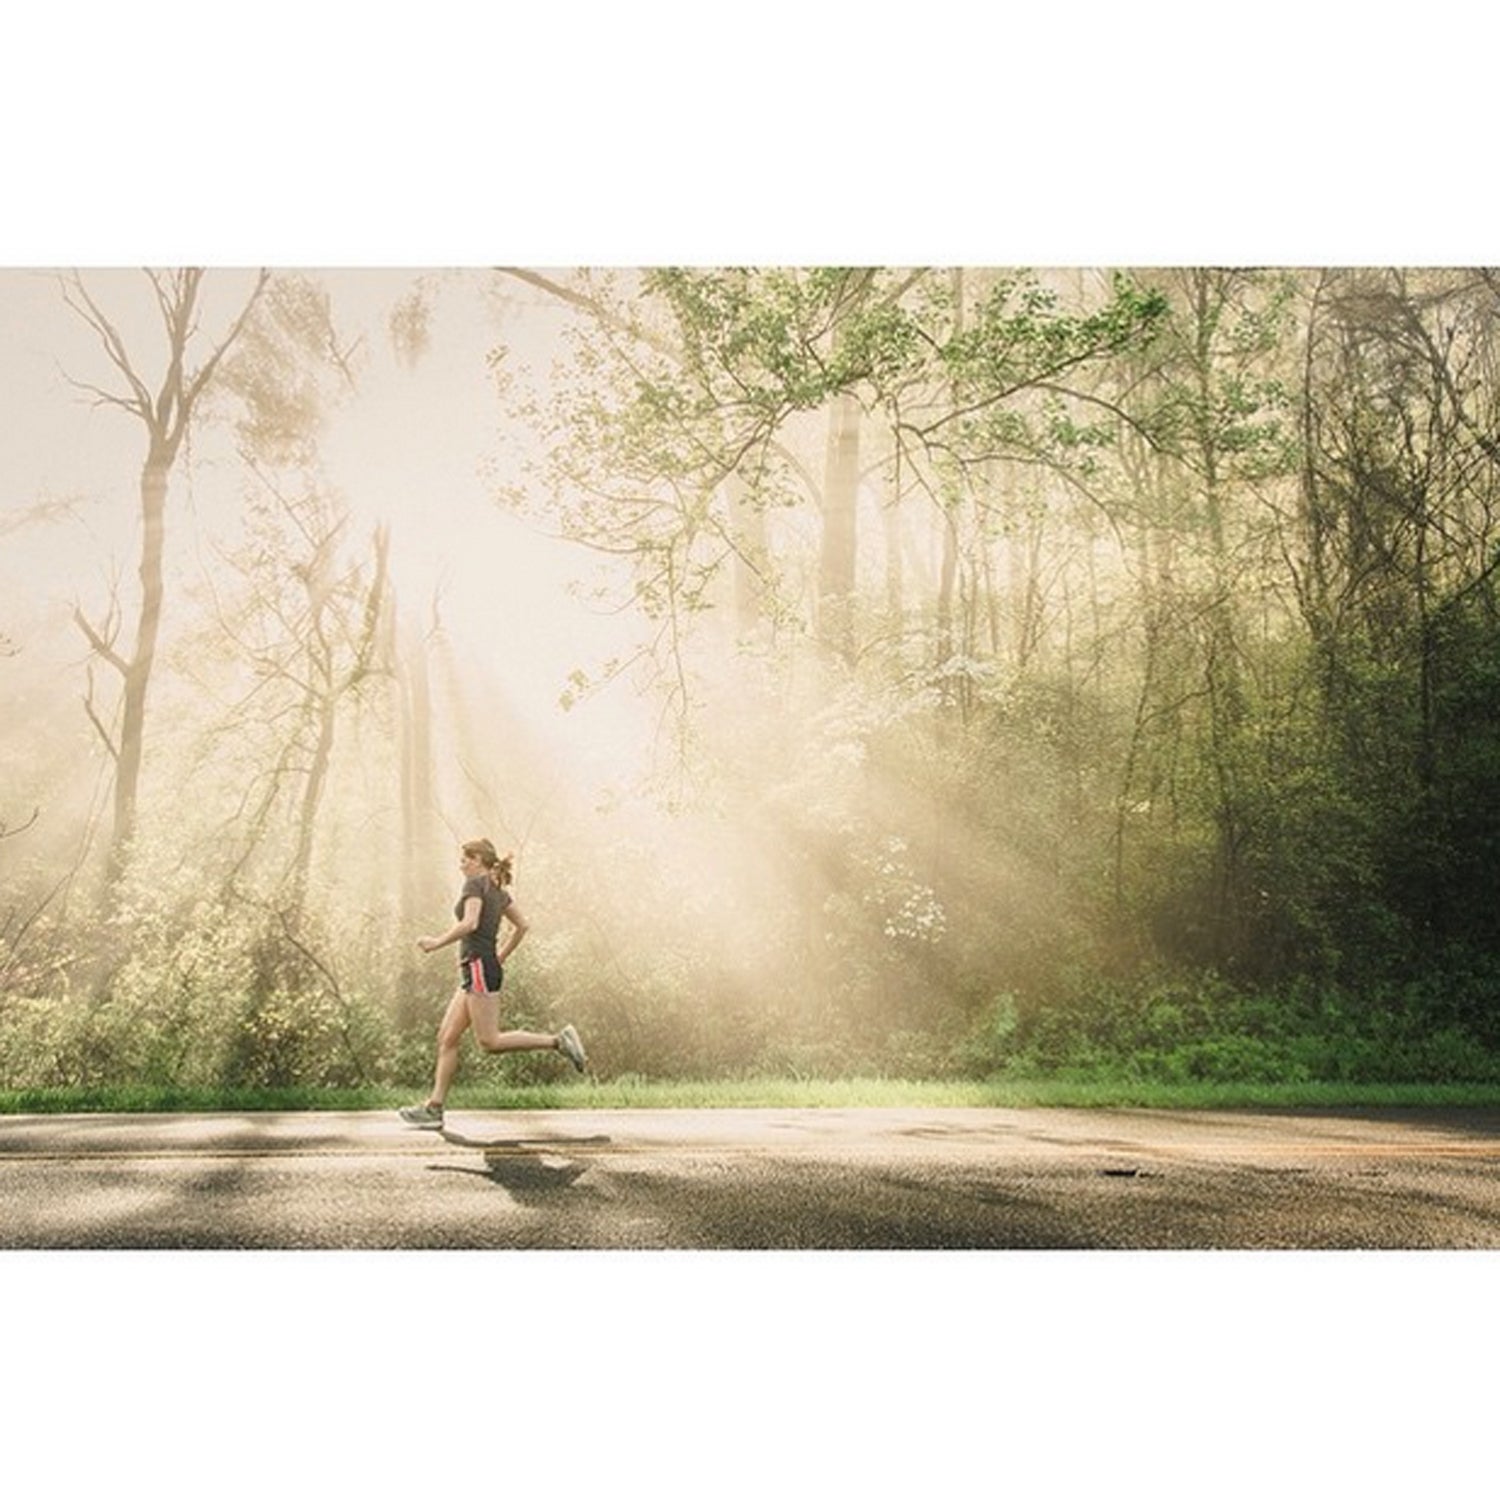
x=518 y=1165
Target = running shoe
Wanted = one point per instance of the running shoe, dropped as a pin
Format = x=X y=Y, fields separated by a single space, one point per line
x=429 y=1116
x=571 y=1048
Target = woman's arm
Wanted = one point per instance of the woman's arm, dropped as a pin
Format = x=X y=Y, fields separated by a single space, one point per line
x=520 y=924
x=461 y=928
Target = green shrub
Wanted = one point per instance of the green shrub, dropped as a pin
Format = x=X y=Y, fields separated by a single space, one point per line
x=1234 y=1059
x=990 y=1044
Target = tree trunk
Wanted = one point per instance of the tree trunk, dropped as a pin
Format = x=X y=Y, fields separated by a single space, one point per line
x=417 y=801
x=948 y=569
x=138 y=671
x=166 y=416
x=991 y=600
x=837 y=557
x=1226 y=696
x=1024 y=556
x=312 y=798
x=895 y=602
x=947 y=576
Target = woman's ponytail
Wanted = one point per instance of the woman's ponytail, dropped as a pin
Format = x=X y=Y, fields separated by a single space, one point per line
x=484 y=851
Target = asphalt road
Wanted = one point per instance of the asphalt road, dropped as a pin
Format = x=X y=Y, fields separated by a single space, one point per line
x=755 y=1179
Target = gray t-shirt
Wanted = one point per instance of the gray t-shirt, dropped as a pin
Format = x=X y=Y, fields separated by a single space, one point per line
x=493 y=900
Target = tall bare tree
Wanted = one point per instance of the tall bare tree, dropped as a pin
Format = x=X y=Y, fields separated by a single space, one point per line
x=165 y=408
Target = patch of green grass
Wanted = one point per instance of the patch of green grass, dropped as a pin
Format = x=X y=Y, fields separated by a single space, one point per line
x=770 y=1093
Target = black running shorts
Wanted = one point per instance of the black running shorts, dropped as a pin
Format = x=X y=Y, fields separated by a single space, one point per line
x=481 y=975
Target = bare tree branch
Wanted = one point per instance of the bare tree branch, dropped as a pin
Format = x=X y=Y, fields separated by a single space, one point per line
x=101 y=646
x=40 y=512
x=592 y=306
x=7 y=832
x=172 y=407
x=205 y=374
x=113 y=345
x=94 y=719
x=101 y=397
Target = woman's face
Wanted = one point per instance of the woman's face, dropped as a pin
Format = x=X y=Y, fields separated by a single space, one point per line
x=470 y=864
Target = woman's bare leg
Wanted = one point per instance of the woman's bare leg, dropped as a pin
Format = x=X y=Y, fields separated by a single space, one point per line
x=450 y=1033
x=484 y=1016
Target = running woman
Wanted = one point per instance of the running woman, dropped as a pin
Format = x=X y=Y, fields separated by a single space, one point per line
x=481 y=969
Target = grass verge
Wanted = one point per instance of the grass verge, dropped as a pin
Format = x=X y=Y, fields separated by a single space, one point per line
x=770 y=1093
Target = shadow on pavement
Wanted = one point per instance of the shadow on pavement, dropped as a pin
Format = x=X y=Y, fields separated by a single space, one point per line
x=517 y=1164
x=525 y=1176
